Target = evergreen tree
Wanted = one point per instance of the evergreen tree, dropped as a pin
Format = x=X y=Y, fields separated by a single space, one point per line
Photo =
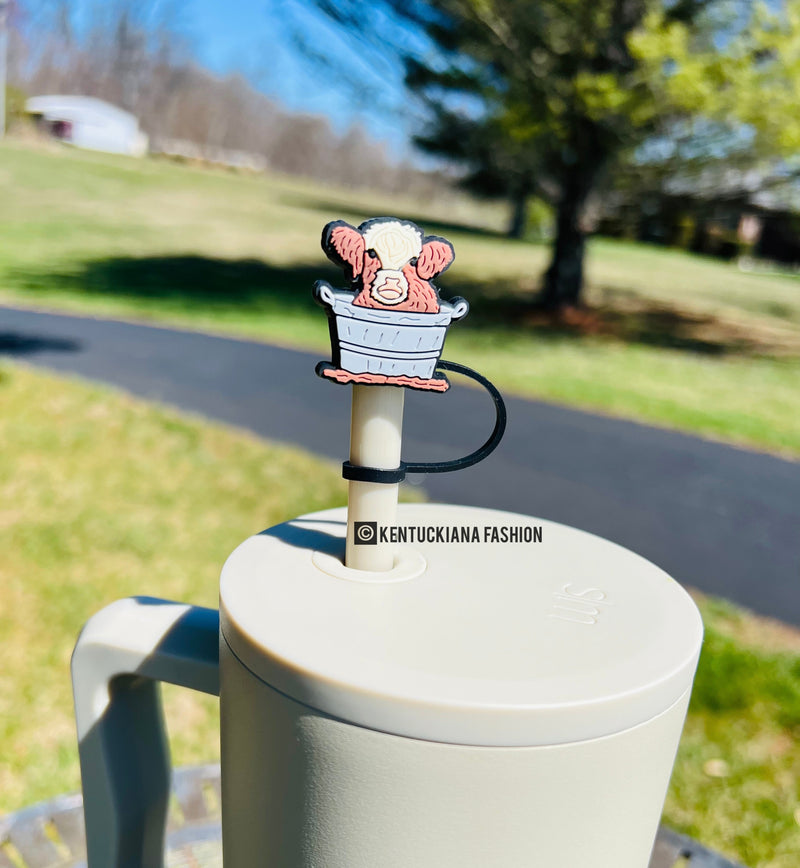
x=547 y=97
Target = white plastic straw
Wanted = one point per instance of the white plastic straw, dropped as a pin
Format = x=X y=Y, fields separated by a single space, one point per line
x=376 y=428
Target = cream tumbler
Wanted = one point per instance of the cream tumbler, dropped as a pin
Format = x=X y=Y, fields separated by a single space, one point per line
x=511 y=694
x=486 y=703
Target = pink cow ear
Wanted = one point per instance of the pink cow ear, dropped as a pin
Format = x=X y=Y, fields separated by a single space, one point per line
x=436 y=256
x=344 y=245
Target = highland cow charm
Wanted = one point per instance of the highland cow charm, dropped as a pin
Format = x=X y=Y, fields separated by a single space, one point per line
x=389 y=328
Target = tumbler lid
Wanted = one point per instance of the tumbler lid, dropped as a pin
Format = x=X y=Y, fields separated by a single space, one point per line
x=495 y=629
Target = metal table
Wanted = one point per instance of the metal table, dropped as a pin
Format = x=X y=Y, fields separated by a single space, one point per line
x=51 y=834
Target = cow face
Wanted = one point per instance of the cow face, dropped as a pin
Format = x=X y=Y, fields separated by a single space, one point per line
x=390 y=262
x=394 y=245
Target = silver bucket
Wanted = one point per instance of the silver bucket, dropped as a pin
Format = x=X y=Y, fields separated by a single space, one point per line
x=389 y=342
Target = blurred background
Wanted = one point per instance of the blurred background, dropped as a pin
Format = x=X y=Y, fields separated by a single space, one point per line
x=621 y=182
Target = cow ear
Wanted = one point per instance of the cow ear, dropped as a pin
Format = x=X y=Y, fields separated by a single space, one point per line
x=344 y=245
x=436 y=256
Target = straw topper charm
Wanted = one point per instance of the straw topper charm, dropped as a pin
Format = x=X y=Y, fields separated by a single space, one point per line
x=389 y=328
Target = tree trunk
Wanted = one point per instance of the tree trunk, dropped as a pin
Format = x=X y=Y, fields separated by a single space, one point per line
x=563 y=280
x=519 y=213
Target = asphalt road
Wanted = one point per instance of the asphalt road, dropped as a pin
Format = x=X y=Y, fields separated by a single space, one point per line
x=722 y=519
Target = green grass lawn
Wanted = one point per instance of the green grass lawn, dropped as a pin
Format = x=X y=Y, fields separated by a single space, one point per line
x=106 y=496
x=671 y=338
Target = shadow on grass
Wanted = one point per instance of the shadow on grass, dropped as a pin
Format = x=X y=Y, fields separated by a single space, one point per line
x=189 y=282
x=196 y=284
x=634 y=320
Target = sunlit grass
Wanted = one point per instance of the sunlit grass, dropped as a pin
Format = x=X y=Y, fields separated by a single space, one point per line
x=693 y=280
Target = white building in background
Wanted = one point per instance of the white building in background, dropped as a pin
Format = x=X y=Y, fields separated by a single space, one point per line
x=90 y=123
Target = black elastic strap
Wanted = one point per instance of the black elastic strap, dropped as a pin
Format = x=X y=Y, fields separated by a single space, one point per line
x=373 y=474
x=390 y=477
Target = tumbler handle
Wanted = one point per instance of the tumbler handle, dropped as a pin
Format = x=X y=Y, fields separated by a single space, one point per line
x=122 y=653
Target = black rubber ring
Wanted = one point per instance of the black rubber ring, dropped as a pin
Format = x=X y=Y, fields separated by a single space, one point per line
x=373 y=474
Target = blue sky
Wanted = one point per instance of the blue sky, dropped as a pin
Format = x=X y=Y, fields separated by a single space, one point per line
x=255 y=37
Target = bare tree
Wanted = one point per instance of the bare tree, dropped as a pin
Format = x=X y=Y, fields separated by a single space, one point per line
x=135 y=54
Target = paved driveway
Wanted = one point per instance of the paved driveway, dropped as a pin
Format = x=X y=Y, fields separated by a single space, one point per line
x=725 y=520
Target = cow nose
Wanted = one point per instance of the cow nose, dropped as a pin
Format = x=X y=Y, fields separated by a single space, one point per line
x=390 y=286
